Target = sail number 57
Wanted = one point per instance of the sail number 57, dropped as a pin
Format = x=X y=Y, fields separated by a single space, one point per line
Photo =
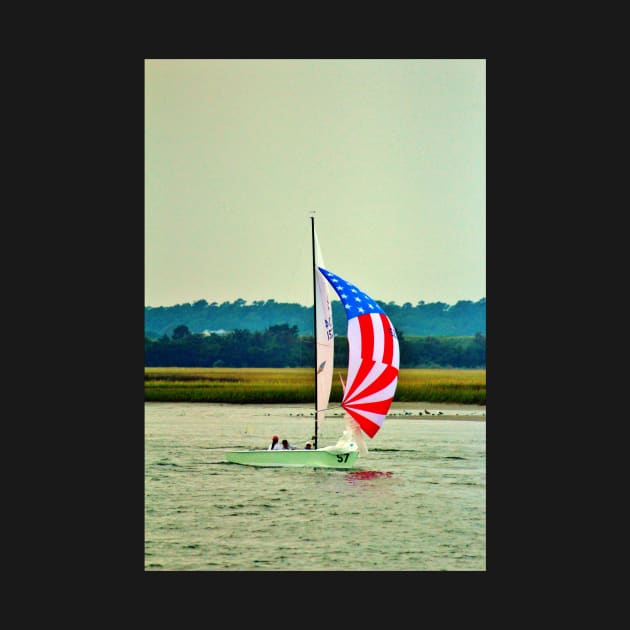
x=342 y=458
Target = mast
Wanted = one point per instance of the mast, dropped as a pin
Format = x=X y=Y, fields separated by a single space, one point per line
x=314 y=322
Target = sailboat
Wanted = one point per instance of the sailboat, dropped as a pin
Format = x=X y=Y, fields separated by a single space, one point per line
x=372 y=376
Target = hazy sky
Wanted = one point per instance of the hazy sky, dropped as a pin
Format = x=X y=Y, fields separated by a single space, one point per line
x=390 y=155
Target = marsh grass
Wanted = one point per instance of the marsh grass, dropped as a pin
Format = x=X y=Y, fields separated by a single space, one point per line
x=295 y=385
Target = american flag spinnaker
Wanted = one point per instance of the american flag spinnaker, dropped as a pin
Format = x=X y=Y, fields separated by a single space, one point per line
x=373 y=356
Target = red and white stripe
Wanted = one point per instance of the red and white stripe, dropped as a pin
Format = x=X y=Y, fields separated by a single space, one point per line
x=373 y=362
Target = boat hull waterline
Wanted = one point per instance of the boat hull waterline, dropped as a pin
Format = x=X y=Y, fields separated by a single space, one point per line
x=299 y=458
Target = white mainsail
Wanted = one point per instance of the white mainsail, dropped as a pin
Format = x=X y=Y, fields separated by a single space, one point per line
x=325 y=338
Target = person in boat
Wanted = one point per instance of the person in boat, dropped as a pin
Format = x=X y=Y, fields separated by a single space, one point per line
x=274 y=446
x=308 y=446
x=286 y=446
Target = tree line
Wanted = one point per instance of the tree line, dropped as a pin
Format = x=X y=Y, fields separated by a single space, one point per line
x=437 y=319
x=281 y=345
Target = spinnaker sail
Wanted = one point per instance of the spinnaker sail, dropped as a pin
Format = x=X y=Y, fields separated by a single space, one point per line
x=373 y=356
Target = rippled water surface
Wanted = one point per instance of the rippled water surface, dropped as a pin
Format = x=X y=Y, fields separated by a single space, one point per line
x=417 y=502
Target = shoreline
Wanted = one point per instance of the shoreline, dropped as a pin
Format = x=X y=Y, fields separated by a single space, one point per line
x=431 y=411
x=420 y=410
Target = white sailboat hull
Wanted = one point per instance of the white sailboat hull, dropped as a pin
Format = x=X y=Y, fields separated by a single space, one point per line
x=329 y=457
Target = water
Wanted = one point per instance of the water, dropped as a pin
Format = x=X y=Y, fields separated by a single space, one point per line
x=417 y=502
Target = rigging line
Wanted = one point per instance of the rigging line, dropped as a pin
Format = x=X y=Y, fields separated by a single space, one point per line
x=301 y=406
x=331 y=408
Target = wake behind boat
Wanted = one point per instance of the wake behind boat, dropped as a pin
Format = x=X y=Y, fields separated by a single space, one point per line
x=373 y=365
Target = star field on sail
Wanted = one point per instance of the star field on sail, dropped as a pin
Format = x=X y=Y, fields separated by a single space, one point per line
x=373 y=356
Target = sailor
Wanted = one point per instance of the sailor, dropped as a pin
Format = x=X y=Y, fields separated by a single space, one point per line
x=286 y=446
x=274 y=446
